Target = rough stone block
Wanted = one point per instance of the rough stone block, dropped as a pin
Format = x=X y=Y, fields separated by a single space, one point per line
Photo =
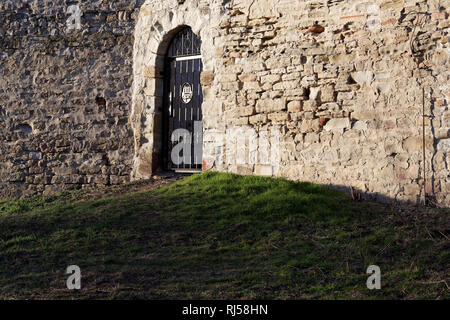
x=259 y=118
x=295 y=106
x=278 y=117
x=248 y=77
x=269 y=105
x=310 y=126
x=337 y=124
x=264 y=170
x=206 y=78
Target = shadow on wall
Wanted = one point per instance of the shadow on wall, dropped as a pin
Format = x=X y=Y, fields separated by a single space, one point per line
x=359 y=195
x=356 y=194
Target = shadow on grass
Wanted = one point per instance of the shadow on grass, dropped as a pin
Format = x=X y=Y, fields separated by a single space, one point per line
x=220 y=236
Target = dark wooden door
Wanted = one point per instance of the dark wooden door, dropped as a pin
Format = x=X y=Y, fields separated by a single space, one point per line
x=183 y=101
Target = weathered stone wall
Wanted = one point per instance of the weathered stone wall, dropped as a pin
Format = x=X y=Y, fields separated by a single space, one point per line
x=65 y=95
x=326 y=91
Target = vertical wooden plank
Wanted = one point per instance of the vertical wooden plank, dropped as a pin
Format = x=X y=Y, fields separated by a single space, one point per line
x=195 y=105
x=183 y=105
x=171 y=112
x=200 y=114
x=177 y=113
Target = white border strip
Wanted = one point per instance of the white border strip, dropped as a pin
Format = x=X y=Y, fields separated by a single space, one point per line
x=188 y=58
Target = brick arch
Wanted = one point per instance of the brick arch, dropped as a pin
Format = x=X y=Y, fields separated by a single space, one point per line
x=158 y=22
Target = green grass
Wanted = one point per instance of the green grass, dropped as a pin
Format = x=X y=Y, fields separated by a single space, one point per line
x=221 y=236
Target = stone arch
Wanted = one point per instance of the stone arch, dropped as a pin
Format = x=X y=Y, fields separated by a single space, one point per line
x=158 y=22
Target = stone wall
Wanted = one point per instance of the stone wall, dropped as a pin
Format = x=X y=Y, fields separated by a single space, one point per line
x=329 y=92
x=65 y=95
x=326 y=91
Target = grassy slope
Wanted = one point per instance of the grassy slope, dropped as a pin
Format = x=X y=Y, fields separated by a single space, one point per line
x=221 y=236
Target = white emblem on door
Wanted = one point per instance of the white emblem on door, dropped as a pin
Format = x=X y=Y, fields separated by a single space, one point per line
x=187 y=91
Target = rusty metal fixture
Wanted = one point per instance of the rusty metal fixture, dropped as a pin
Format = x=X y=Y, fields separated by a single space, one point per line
x=424 y=149
x=418 y=54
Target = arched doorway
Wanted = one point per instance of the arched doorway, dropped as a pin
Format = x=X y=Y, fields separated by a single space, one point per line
x=183 y=97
